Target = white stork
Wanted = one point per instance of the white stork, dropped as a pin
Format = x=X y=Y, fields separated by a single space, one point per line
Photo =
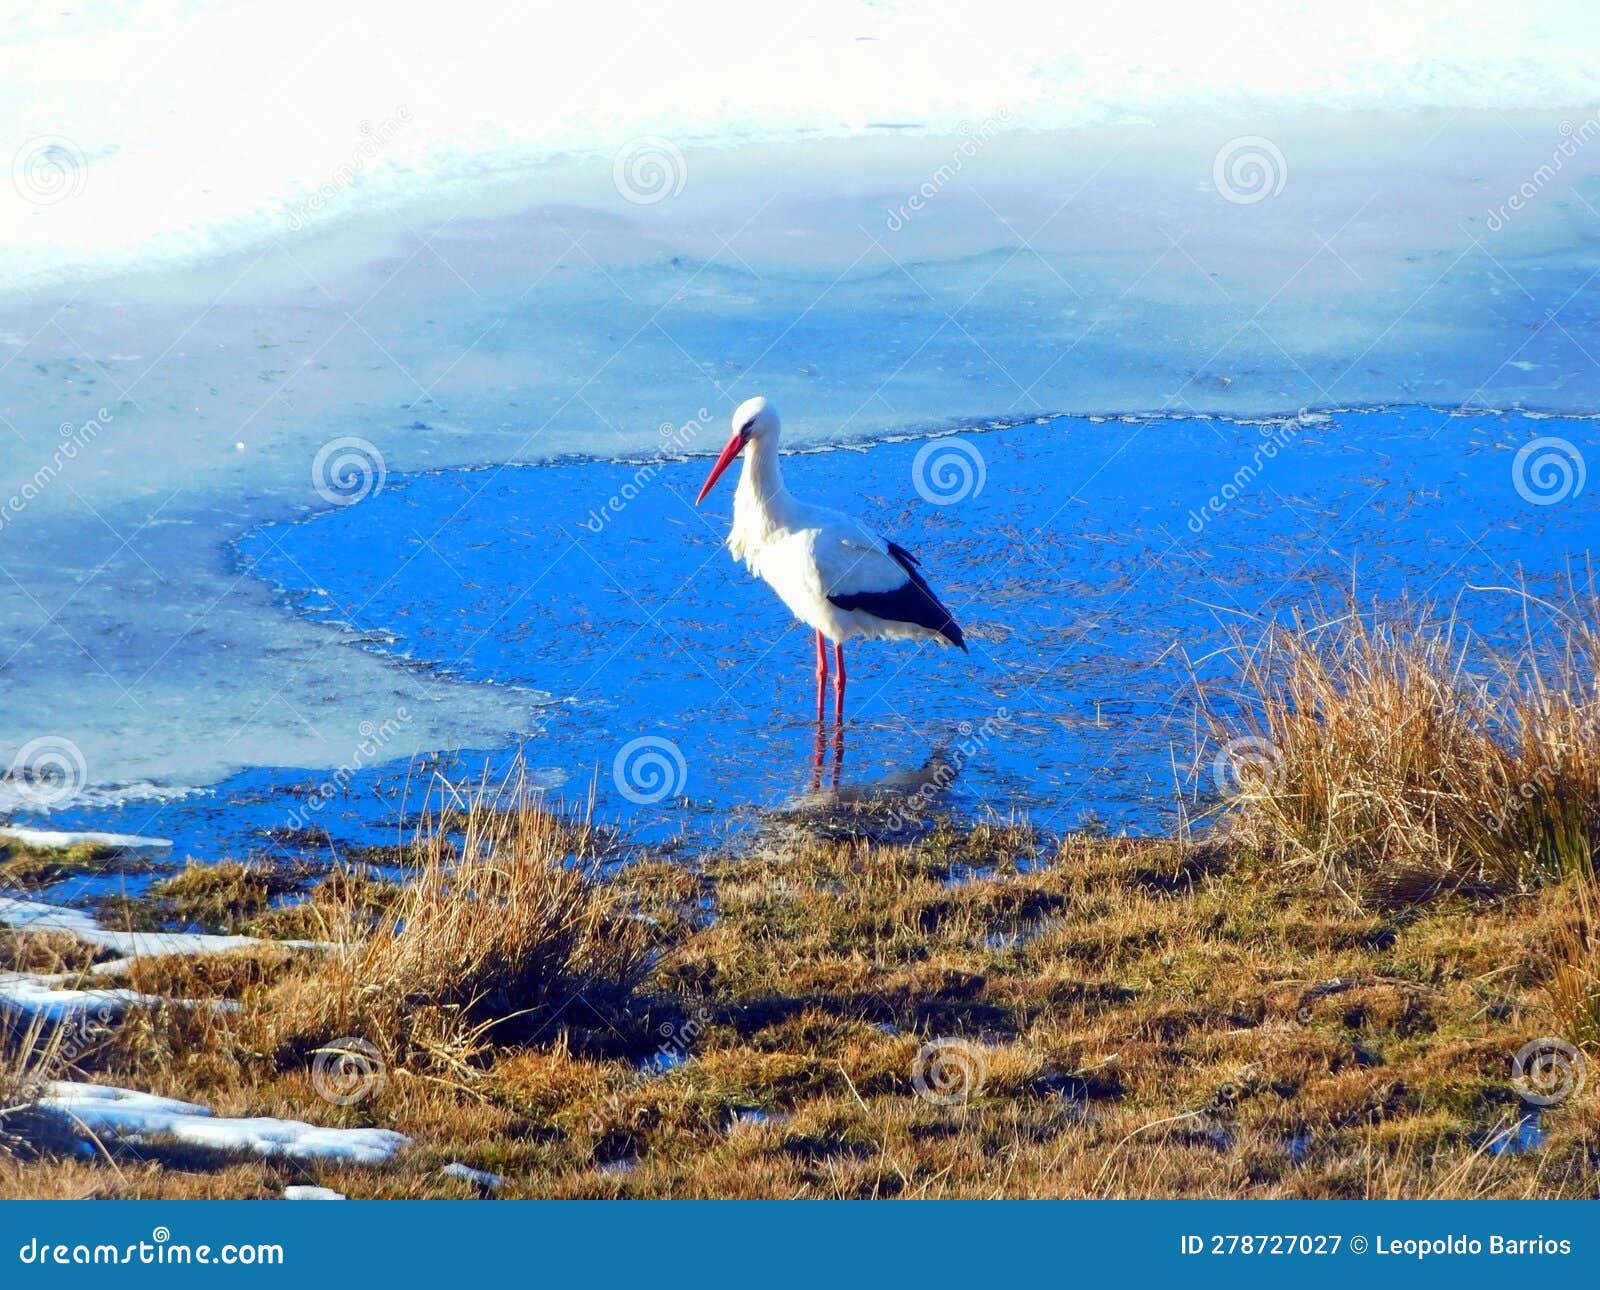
x=837 y=576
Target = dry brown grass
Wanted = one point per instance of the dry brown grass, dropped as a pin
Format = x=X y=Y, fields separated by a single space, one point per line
x=1390 y=755
x=26 y=867
x=33 y=1051
x=501 y=926
x=1144 y=1019
x=44 y=951
x=287 y=900
x=229 y=896
x=1323 y=1000
x=1575 y=972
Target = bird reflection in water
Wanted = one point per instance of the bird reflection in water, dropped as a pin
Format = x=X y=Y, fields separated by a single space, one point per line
x=817 y=755
x=900 y=800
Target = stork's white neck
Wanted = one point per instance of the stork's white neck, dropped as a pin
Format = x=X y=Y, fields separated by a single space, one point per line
x=761 y=480
x=762 y=507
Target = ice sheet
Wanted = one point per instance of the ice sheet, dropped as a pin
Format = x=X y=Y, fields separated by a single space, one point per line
x=174 y=140
x=471 y=301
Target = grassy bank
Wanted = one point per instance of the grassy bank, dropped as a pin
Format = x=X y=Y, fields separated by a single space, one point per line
x=1323 y=996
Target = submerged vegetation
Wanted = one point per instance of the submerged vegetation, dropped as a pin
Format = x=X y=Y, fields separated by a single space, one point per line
x=1377 y=974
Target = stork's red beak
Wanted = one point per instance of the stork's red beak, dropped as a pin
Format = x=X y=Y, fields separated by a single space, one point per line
x=729 y=452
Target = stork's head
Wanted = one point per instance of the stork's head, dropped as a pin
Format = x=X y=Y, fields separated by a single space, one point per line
x=753 y=419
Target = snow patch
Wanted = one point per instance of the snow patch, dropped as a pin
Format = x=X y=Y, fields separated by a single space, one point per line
x=45 y=997
x=36 y=996
x=313 y=1193
x=479 y=1177
x=58 y=999
x=121 y=145
x=129 y=1115
x=37 y=916
x=55 y=839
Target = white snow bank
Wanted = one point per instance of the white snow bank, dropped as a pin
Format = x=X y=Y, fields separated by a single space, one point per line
x=46 y=997
x=479 y=1177
x=157 y=84
x=312 y=1193
x=56 y=999
x=36 y=995
x=127 y=1114
x=54 y=839
x=38 y=916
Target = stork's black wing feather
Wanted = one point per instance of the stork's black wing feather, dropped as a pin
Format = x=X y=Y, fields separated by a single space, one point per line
x=914 y=602
x=905 y=559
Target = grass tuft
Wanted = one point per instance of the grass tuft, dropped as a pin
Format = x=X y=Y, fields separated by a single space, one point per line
x=502 y=926
x=1387 y=754
x=27 y=868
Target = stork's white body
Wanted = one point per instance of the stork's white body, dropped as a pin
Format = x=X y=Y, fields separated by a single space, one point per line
x=808 y=553
x=837 y=576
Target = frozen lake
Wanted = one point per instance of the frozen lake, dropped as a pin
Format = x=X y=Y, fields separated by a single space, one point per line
x=493 y=330
x=1097 y=564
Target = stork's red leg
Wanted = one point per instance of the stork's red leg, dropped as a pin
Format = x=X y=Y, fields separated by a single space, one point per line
x=822 y=674
x=838 y=684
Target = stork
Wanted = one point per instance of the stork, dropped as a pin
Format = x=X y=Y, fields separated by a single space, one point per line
x=835 y=574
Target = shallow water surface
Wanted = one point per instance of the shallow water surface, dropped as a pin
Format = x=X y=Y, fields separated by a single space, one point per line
x=1097 y=564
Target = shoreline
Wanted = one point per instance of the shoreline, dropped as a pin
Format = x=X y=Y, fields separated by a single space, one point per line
x=1375 y=974
x=315 y=570
x=1279 y=1009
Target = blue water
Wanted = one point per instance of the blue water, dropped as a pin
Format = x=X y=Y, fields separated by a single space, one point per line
x=1525 y=1136
x=1091 y=575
